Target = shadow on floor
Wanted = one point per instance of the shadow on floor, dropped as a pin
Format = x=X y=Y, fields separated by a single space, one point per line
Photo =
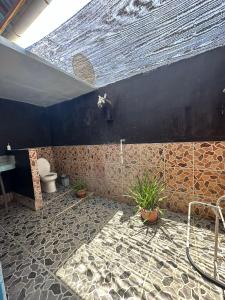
x=99 y=249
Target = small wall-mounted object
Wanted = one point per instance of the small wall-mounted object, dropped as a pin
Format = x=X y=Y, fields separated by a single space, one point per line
x=105 y=105
x=222 y=106
x=222 y=109
x=121 y=149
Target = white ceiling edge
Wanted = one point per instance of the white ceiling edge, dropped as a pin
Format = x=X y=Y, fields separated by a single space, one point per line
x=25 y=77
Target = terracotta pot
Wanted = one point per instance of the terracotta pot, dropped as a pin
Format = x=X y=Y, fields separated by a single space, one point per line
x=150 y=216
x=81 y=193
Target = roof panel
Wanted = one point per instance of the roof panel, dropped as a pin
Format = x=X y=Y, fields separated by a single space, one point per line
x=124 y=38
x=25 y=77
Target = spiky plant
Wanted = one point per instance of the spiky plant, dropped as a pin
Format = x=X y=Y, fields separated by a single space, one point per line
x=79 y=185
x=147 y=192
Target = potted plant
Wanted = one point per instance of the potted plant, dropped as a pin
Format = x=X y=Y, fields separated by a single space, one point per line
x=147 y=193
x=80 y=188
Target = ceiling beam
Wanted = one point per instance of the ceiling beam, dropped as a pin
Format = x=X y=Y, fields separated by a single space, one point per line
x=15 y=9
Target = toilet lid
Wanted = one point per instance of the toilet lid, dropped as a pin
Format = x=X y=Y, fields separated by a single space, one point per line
x=43 y=166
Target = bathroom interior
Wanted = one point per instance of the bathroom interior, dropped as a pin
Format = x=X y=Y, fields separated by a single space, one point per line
x=117 y=91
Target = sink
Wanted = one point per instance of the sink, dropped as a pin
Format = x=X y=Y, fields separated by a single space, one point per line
x=7 y=167
x=7 y=162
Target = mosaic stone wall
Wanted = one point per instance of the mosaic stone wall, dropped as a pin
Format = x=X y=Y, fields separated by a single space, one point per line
x=38 y=203
x=191 y=171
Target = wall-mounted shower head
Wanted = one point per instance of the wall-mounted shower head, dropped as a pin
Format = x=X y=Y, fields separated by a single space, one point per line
x=103 y=101
x=105 y=105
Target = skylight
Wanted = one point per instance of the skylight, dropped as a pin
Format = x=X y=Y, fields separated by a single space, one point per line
x=57 y=13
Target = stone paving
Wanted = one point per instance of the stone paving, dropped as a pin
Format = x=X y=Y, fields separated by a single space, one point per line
x=100 y=249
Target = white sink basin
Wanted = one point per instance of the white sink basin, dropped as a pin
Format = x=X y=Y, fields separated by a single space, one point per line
x=7 y=162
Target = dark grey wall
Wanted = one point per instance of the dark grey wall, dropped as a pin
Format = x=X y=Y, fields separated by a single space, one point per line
x=21 y=177
x=179 y=102
x=19 y=180
x=23 y=125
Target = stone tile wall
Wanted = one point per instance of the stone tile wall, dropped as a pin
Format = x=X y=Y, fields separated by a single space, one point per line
x=191 y=171
x=38 y=202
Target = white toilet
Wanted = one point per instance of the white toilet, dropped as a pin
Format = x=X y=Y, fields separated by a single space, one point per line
x=47 y=178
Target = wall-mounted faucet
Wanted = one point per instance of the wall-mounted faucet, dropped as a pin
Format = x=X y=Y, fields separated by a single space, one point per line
x=121 y=150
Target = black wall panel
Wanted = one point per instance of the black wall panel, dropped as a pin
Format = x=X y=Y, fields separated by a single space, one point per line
x=23 y=125
x=179 y=102
x=21 y=177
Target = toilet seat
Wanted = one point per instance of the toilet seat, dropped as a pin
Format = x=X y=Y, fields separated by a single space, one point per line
x=50 y=174
x=47 y=178
x=43 y=167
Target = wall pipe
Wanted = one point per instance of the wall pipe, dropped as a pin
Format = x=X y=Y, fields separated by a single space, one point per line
x=28 y=13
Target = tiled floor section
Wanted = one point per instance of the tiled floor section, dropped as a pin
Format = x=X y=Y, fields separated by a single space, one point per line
x=100 y=249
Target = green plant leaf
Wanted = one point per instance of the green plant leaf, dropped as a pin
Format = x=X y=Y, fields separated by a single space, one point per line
x=147 y=192
x=79 y=185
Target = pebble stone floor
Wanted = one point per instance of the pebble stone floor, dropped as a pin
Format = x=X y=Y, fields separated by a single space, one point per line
x=100 y=249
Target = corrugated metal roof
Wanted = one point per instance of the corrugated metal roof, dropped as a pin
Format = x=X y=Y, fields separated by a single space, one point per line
x=5 y=8
x=127 y=37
